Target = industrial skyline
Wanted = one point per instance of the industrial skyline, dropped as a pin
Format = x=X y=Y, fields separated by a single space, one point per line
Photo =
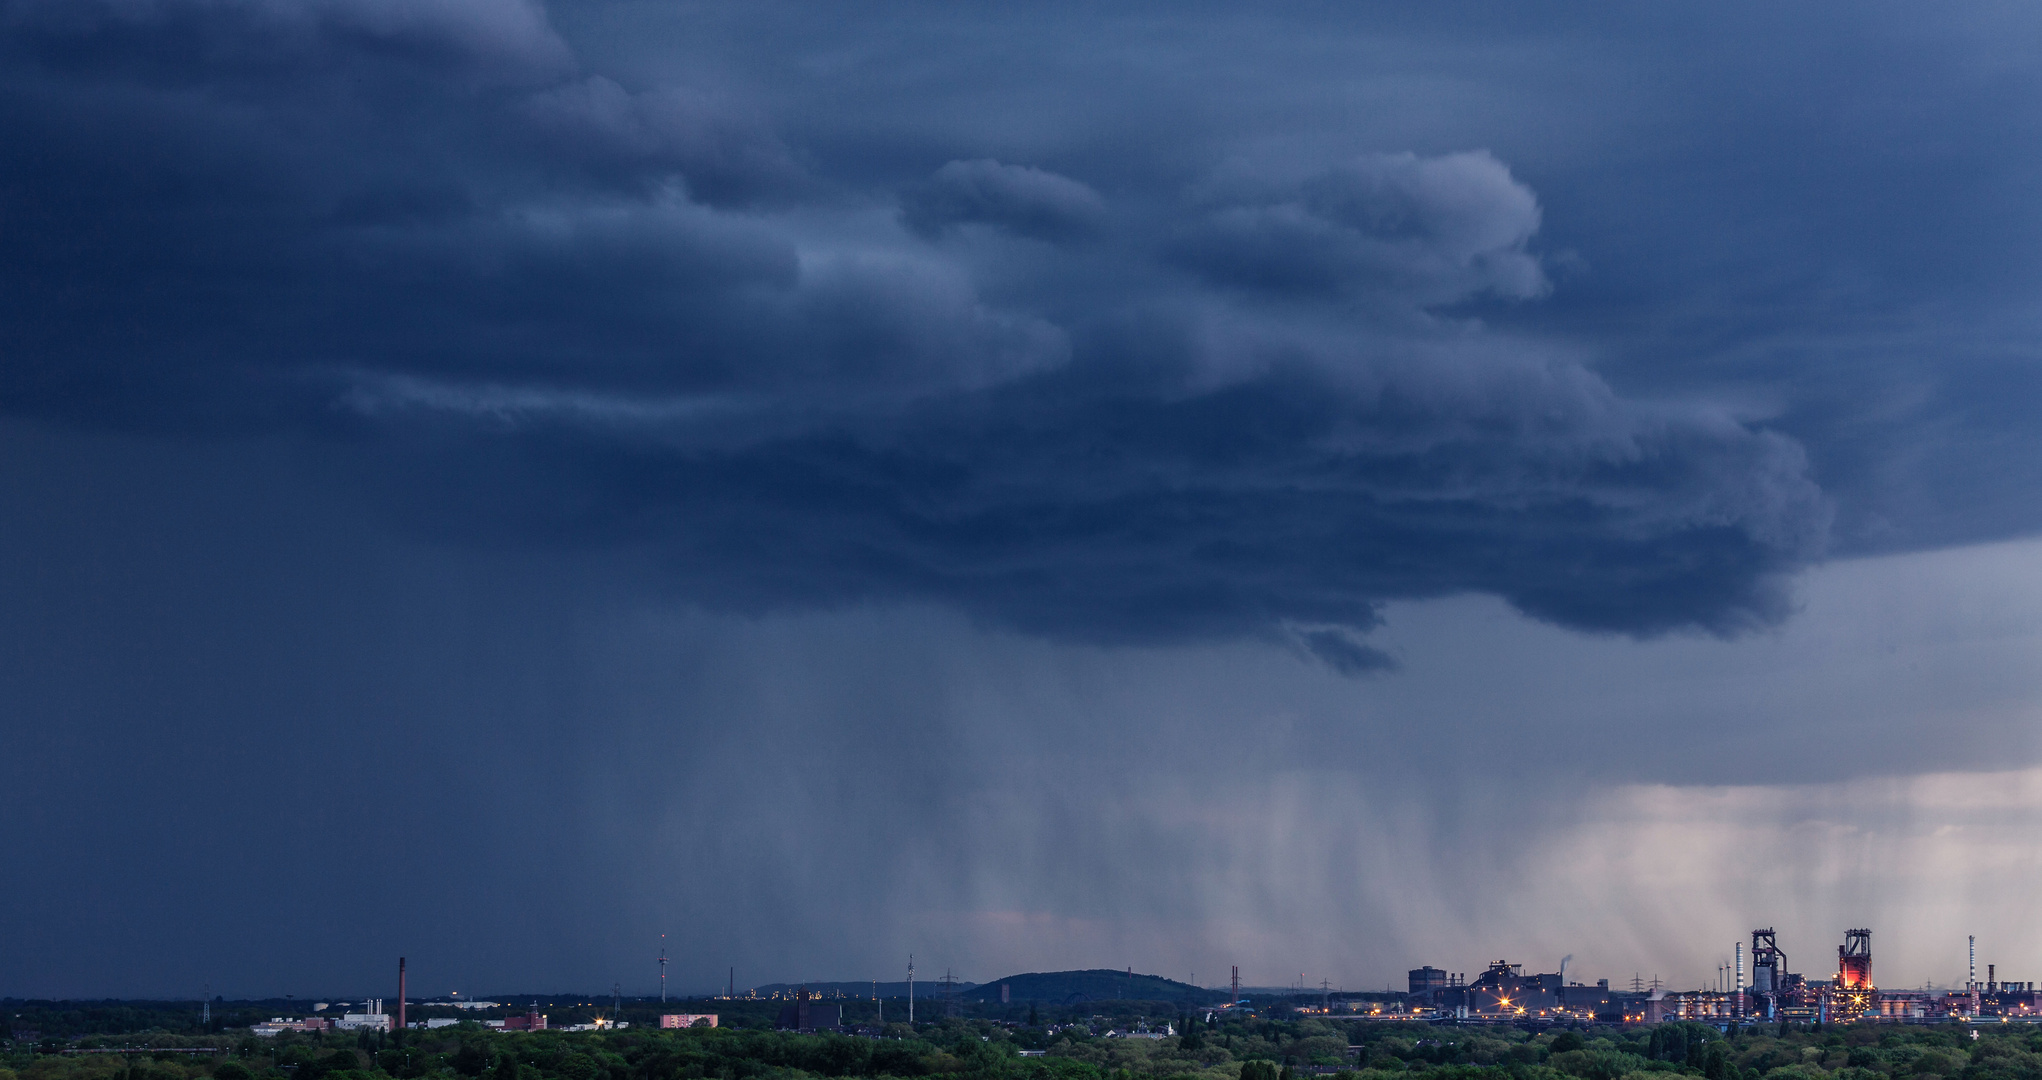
x=1501 y=993
x=1756 y=983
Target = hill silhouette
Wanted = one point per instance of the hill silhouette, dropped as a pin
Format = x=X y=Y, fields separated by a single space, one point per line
x=1095 y=984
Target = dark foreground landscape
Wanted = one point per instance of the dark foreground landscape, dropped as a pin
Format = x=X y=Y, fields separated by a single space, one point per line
x=982 y=1049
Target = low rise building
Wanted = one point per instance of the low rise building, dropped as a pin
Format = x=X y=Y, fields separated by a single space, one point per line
x=805 y=1013
x=533 y=1020
x=277 y=1025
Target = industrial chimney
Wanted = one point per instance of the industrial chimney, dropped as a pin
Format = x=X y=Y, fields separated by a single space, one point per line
x=400 y=993
x=1971 y=971
x=1738 y=1005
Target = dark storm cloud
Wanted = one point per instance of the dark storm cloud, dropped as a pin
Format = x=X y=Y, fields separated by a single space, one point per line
x=550 y=306
x=1103 y=323
x=1025 y=201
x=1119 y=499
x=1386 y=227
x=726 y=156
x=1342 y=653
x=191 y=43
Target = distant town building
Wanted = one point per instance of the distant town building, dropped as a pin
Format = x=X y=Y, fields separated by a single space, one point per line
x=277 y=1025
x=531 y=1021
x=687 y=1020
x=806 y=1013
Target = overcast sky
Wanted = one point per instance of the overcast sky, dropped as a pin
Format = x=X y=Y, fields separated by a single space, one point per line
x=1327 y=488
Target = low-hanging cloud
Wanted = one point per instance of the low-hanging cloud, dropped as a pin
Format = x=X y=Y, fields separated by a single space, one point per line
x=751 y=372
x=1145 y=507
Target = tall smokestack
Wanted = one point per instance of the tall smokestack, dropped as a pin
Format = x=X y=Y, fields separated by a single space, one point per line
x=1738 y=1005
x=400 y=993
x=1971 y=971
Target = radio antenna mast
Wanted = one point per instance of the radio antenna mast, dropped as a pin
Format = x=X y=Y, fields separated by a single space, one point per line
x=662 y=969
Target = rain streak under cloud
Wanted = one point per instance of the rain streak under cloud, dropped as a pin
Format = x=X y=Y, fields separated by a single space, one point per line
x=1100 y=488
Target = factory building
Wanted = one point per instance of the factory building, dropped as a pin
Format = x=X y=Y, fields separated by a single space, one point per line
x=1774 y=993
x=807 y=1013
x=1504 y=990
x=1699 y=1006
x=1778 y=994
x=1904 y=1005
x=1427 y=979
x=372 y=1018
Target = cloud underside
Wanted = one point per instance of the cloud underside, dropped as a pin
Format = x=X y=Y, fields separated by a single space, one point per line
x=546 y=307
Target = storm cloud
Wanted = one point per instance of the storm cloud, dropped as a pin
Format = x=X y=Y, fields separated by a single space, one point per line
x=636 y=317
x=1025 y=201
x=1384 y=227
x=1090 y=485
